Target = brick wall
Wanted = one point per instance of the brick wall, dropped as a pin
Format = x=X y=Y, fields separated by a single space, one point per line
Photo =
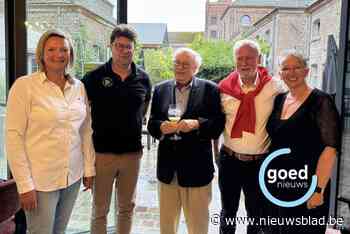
x=231 y=25
x=214 y=9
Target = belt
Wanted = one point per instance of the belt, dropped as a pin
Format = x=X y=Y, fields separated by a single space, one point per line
x=242 y=157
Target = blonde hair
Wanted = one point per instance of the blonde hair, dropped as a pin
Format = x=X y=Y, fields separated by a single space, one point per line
x=39 y=53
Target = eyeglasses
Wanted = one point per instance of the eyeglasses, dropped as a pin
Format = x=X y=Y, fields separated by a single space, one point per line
x=180 y=64
x=120 y=46
x=285 y=71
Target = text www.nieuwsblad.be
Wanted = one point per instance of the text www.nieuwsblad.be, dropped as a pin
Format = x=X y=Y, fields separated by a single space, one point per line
x=276 y=221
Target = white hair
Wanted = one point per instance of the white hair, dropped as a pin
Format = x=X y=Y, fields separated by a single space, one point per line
x=246 y=42
x=196 y=56
x=292 y=53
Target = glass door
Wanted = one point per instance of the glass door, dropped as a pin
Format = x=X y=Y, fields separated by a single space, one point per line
x=3 y=89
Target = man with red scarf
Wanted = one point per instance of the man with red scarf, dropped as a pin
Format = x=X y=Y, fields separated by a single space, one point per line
x=247 y=97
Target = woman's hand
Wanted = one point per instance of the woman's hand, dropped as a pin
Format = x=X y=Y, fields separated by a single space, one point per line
x=315 y=201
x=28 y=200
x=88 y=182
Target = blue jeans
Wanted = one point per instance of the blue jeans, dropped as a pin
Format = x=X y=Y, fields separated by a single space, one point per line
x=53 y=211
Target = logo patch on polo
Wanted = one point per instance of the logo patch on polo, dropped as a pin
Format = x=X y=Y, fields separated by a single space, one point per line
x=107 y=82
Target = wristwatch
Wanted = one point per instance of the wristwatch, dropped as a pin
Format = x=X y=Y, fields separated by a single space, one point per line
x=319 y=190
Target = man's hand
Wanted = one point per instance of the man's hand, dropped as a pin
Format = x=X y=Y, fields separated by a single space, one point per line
x=28 y=200
x=187 y=125
x=168 y=127
x=315 y=201
x=88 y=182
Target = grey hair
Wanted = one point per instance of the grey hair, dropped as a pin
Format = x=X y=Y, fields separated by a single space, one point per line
x=292 y=53
x=197 y=57
x=246 y=42
x=39 y=53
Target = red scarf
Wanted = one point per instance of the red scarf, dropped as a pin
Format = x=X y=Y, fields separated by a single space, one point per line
x=246 y=115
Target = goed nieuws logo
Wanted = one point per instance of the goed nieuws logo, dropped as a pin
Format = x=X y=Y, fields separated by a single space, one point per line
x=283 y=174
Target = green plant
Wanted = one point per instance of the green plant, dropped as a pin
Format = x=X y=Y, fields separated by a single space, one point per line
x=217 y=57
x=158 y=64
x=84 y=52
x=138 y=54
x=264 y=45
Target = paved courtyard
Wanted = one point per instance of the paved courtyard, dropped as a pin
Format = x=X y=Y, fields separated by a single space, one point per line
x=146 y=220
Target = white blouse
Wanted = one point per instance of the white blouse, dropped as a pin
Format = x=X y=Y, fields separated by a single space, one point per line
x=48 y=133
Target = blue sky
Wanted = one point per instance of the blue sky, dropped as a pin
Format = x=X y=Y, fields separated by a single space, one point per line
x=180 y=15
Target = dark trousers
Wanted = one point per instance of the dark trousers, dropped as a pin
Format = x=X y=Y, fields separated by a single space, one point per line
x=235 y=175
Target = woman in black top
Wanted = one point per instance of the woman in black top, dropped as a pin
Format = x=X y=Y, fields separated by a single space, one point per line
x=306 y=121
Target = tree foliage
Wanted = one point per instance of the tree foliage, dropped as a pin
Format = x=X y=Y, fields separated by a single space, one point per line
x=217 y=56
x=215 y=53
x=158 y=64
x=264 y=45
x=138 y=54
x=84 y=52
x=218 y=59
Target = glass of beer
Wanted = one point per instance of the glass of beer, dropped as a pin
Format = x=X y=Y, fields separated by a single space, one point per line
x=174 y=115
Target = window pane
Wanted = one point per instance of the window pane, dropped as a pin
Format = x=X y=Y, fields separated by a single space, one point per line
x=344 y=179
x=316 y=28
x=245 y=20
x=3 y=164
x=89 y=24
x=152 y=18
x=213 y=20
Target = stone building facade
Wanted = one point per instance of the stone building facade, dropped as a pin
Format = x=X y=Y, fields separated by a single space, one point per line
x=88 y=22
x=283 y=29
x=213 y=12
x=303 y=29
x=302 y=25
x=324 y=20
x=239 y=18
x=240 y=15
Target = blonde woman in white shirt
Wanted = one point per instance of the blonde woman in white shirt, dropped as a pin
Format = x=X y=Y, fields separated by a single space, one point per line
x=48 y=137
